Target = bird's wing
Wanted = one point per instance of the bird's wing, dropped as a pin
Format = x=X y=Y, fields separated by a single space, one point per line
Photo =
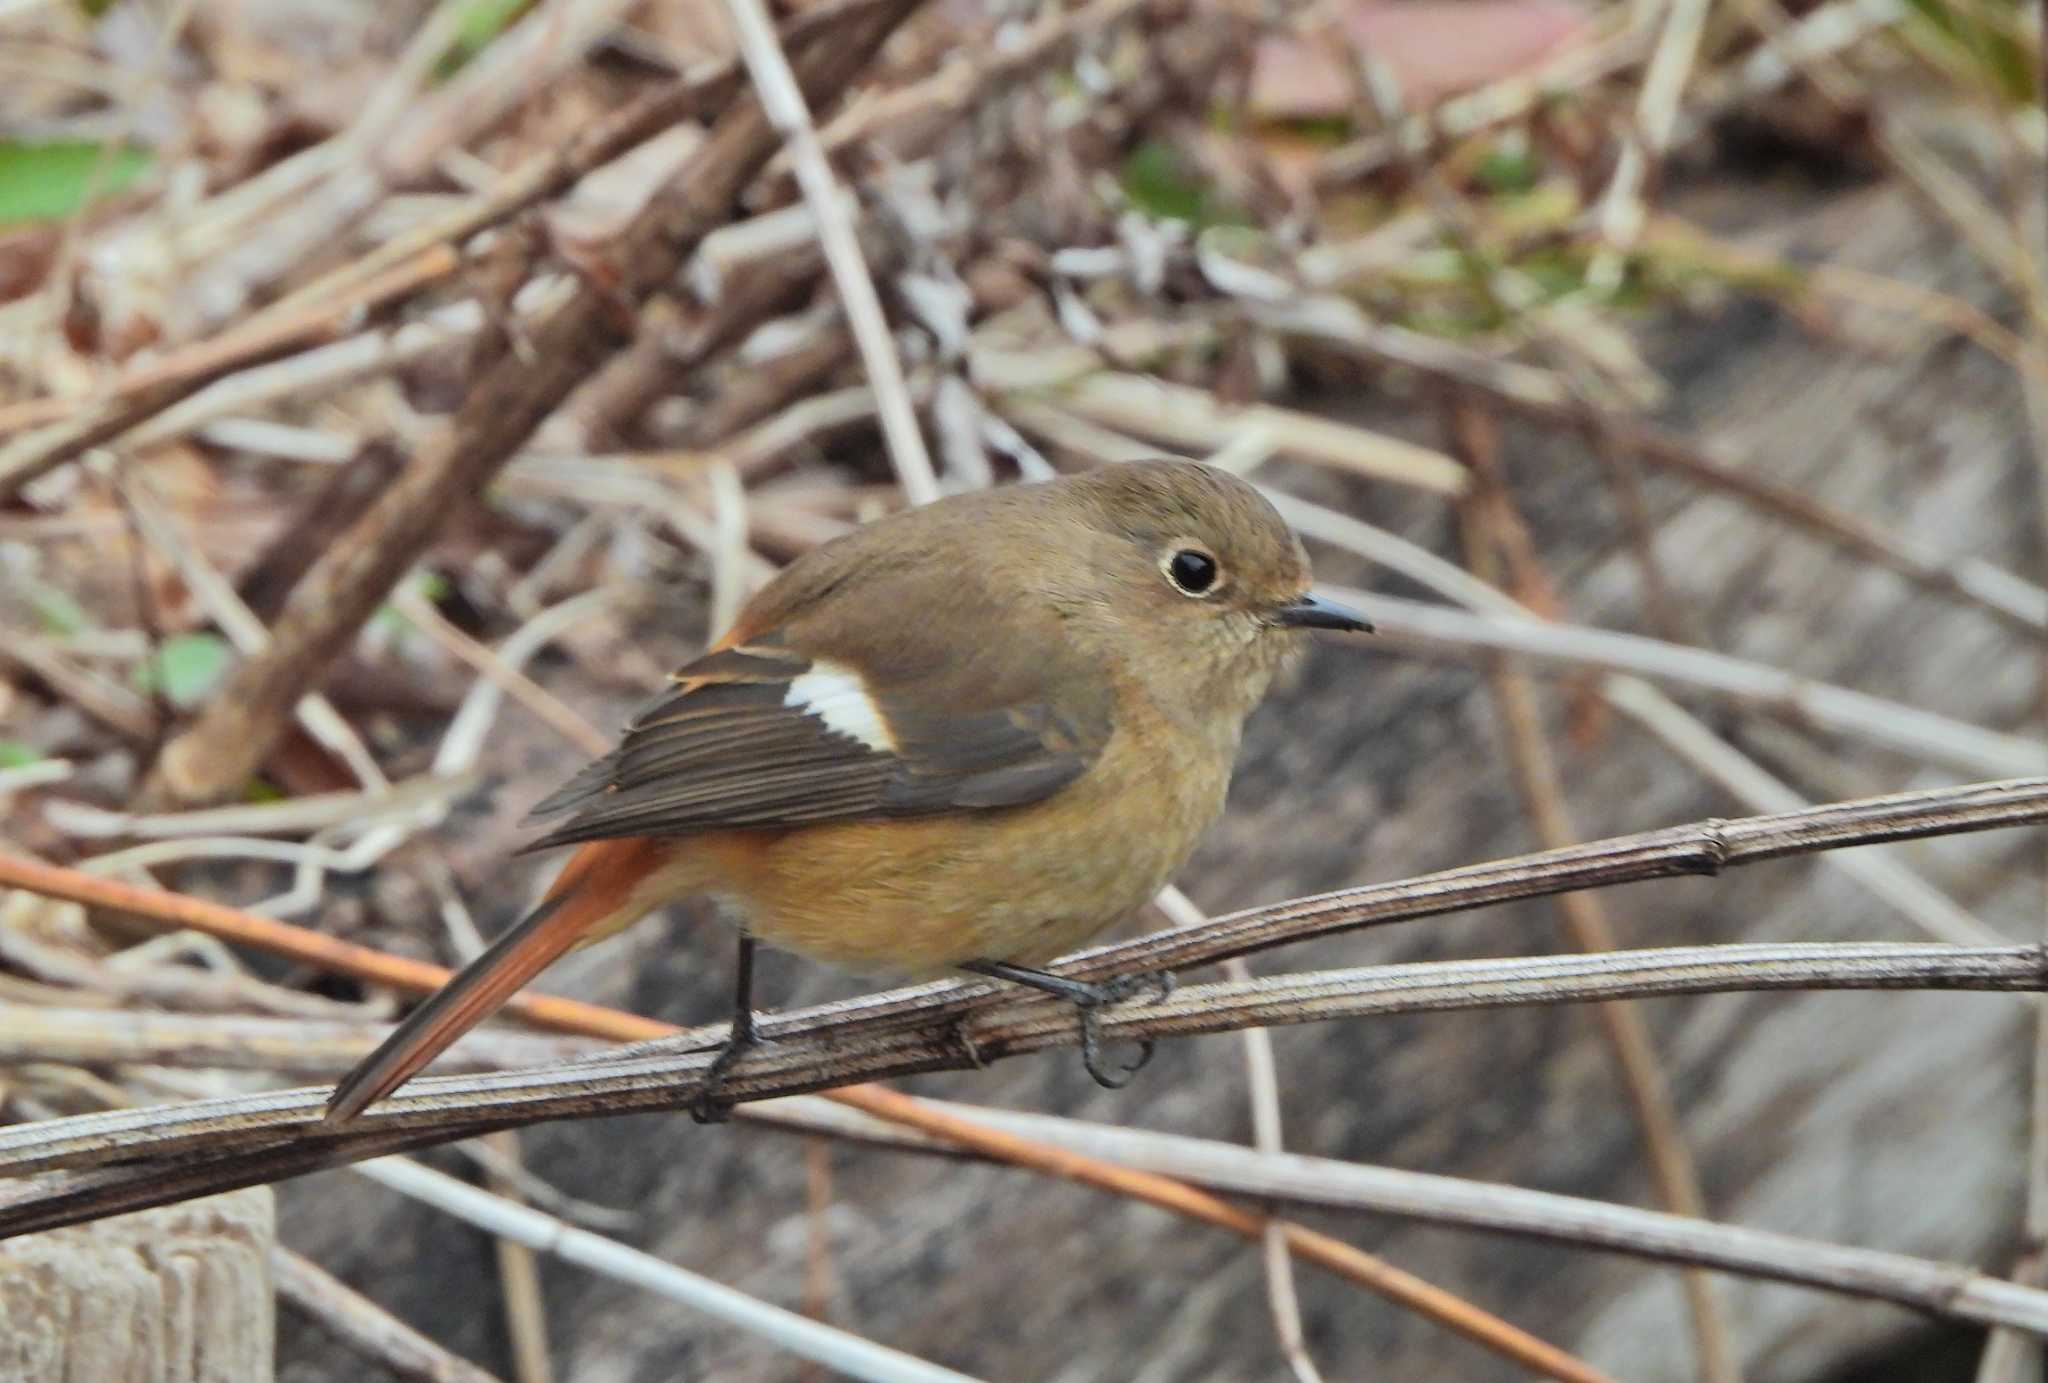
x=764 y=735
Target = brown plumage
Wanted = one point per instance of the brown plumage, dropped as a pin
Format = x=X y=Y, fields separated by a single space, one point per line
x=977 y=732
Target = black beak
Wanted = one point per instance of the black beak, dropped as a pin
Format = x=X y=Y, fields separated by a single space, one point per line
x=1311 y=611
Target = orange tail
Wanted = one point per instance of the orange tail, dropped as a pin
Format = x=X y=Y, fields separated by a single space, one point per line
x=594 y=888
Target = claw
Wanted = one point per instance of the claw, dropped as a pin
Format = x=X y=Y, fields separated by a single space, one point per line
x=1091 y=1052
x=1087 y=998
x=1115 y=991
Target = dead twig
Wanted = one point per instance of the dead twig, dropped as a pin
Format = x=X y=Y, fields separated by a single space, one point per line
x=783 y=99
x=1706 y=847
x=1262 y=1083
x=308 y=1048
x=848 y=1353
x=1737 y=681
x=1327 y=1184
x=154 y=388
x=1544 y=396
x=365 y=1327
x=1499 y=551
x=323 y=613
x=87 y=1166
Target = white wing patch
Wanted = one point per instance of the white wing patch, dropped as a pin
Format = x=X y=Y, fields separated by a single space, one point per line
x=835 y=694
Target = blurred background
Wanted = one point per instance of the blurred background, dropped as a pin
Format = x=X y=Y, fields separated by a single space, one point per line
x=1718 y=323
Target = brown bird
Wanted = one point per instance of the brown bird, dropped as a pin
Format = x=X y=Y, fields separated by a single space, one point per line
x=968 y=737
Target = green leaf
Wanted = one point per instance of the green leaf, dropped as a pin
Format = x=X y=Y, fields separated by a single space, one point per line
x=15 y=754
x=49 y=180
x=58 y=610
x=1327 y=131
x=480 y=22
x=185 y=668
x=1160 y=183
x=1978 y=44
x=1505 y=170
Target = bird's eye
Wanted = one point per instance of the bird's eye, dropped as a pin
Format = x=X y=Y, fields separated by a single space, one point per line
x=1192 y=570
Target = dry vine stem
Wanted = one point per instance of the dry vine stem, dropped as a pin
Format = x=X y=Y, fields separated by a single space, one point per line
x=1931 y=1286
x=908 y=1030
x=236 y=1140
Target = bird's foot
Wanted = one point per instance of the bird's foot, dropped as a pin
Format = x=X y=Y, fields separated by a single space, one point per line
x=1088 y=997
x=708 y=1107
x=1090 y=1007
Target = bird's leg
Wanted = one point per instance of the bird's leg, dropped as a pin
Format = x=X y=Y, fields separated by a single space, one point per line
x=709 y=1109
x=1088 y=998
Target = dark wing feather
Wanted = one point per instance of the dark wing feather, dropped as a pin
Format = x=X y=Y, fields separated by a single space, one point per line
x=725 y=748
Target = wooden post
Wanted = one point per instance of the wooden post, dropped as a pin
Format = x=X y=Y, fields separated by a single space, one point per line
x=180 y=1294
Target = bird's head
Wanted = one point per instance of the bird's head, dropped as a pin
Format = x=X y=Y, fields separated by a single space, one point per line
x=1201 y=578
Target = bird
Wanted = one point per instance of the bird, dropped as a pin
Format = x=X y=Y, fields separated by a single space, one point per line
x=966 y=737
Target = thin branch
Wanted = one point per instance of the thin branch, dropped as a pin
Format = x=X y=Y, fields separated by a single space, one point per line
x=1676 y=728
x=307 y=1048
x=1645 y=142
x=800 y=1335
x=1193 y=419
x=1701 y=848
x=1679 y=239
x=783 y=99
x=1885 y=877
x=542 y=703
x=1578 y=67
x=1949 y=197
x=710 y=87
x=109 y=702
x=1541 y=394
x=279 y=938
x=973 y=77
x=1799 y=700
x=1500 y=553
x=1326 y=1252
x=243 y=629
x=208 y=1145
x=365 y=1327
x=154 y=388
x=1940 y=1289
x=1262 y=1077
x=1262 y=1086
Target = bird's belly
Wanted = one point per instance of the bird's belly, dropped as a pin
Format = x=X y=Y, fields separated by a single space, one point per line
x=918 y=897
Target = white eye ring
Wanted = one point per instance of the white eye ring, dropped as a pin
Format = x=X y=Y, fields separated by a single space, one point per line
x=1192 y=571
